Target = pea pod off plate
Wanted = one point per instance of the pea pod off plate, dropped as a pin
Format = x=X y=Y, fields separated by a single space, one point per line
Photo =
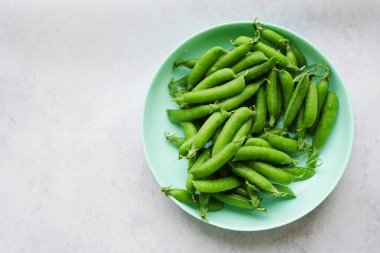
x=168 y=170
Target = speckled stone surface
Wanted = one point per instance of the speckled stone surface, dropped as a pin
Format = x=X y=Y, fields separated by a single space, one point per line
x=73 y=77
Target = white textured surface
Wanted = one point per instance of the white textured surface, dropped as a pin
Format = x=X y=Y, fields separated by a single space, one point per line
x=73 y=77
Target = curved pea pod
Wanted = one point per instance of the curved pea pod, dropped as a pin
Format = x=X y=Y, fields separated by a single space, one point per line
x=186 y=198
x=296 y=100
x=185 y=63
x=214 y=94
x=189 y=129
x=287 y=86
x=302 y=146
x=242 y=170
x=200 y=160
x=172 y=138
x=271 y=172
x=235 y=101
x=283 y=143
x=230 y=58
x=326 y=123
x=237 y=119
x=271 y=52
x=291 y=56
x=216 y=185
x=243 y=131
x=288 y=193
x=218 y=77
x=300 y=173
x=322 y=90
x=259 y=70
x=203 y=65
x=271 y=96
x=261 y=111
x=264 y=135
x=191 y=114
x=257 y=142
x=207 y=130
x=204 y=199
x=185 y=147
x=311 y=105
x=248 y=61
x=263 y=154
x=301 y=60
x=253 y=195
x=233 y=199
x=271 y=36
x=216 y=162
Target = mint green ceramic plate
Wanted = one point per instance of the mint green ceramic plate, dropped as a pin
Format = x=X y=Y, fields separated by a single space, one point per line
x=169 y=171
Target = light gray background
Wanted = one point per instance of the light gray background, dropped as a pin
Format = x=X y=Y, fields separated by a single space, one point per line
x=73 y=77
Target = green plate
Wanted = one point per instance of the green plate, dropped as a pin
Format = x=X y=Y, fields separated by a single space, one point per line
x=169 y=171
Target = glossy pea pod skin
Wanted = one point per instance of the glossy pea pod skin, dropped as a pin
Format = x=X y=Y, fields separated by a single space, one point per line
x=203 y=65
x=271 y=96
x=271 y=172
x=216 y=161
x=257 y=142
x=258 y=70
x=233 y=199
x=214 y=94
x=243 y=131
x=204 y=199
x=248 y=61
x=301 y=60
x=271 y=52
x=322 y=90
x=206 y=155
x=291 y=56
x=296 y=101
x=283 y=143
x=299 y=127
x=216 y=185
x=311 y=105
x=237 y=119
x=326 y=123
x=186 y=63
x=288 y=193
x=185 y=147
x=272 y=37
x=261 y=111
x=244 y=171
x=177 y=141
x=263 y=154
x=253 y=195
x=191 y=114
x=279 y=102
x=207 y=130
x=188 y=129
x=217 y=78
x=235 y=101
x=287 y=86
x=186 y=198
x=230 y=58
x=264 y=136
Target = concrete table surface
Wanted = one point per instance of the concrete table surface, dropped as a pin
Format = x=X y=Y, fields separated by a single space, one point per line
x=73 y=77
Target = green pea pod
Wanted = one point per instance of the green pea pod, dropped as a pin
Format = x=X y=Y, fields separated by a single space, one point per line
x=214 y=94
x=216 y=162
x=271 y=36
x=271 y=52
x=191 y=114
x=296 y=100
x=185 y=63
x=233 y=199
x=235 y=101
x=185 y=147
x=259 y=70
x=203 y=65
x=279 y=102
x=288 y=192
x=207 y=130
x=291 y=56
x=232 y=57
x=271 y=95
x=265 y=135
x=287 y=86
x=238 y=118
x=243 y=131
x=263 y=154
x=301 y=131
x=242 y=170
x=311 y=105
x=253 y=195
x=188 y=129
x=250 y=60
x=257 y=142
x=204 y=199
x=322 y=89
x=326 y=123
x=261 y=111
x=271 y=172
x=177 y=141
x=216 y=185
x=283 y=143
x=217 y=78
x=301 y=60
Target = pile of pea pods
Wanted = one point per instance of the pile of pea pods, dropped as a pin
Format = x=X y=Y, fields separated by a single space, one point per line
x=245 y=116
